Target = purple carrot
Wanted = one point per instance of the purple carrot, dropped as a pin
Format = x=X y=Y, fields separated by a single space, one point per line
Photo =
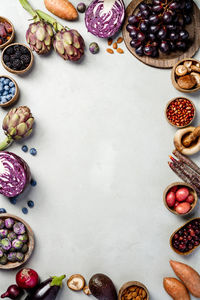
x=186 y=161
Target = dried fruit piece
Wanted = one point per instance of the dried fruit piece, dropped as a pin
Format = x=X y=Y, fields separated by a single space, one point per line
x=119 y=50
x=109 y=50
x=110 y=40
x=120 y=40
x=76 y=282
x=86 y=290
x=181 y=70
x=115 y=45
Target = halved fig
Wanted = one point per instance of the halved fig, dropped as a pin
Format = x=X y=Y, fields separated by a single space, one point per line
x=76 y=282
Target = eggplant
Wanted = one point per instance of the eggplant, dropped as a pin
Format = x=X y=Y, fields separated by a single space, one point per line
x=47 y=290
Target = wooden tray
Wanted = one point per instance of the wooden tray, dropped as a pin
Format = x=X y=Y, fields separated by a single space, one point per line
x=165 y=61
x=31 y=243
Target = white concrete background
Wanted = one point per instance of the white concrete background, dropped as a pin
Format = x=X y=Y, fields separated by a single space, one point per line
x=103 y=145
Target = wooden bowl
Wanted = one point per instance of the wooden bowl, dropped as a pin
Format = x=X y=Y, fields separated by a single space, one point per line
x=2 y=19
x=174 y=80
x=16 y=95
x=31 y=243
x=177 y=125
x=21 y=71
x=192 y=191
x=129 y=284
x=176 y=250
x=165 y=61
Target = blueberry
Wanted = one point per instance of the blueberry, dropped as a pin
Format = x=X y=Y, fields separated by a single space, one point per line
x=5 y=93
x=13 y=200
x=2 y=79
x=6 y=87
x=2 y=211
x=12 y=90
x=9 y=97
x=33 y=182
x=24 y=148
x=30 y=204
x=25 y=210
x=6 y=81
x=33 y=151
x=1 y=87
x=4 y=100
x=11 y=84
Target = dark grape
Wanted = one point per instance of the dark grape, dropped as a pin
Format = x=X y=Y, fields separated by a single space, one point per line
x=188 y=5
x=143 y=6
x=164 y=47
x=181 y=45
x=173 y=36
x=143 y=26
x=141 y=36
x=129 y=27
x=172 y=46
x=167 y=17
x=174 y=5
x=157 y=9
x=145 y=13
x=139 y=14
x=135 y=43
x=171 y=27
x=133 y=20
x=154 y=19
x=151 y=37
x=133 y=33
x=155 y=52
x=139 y=51
x=187 y=19
x=162 y=33
x=182 y=4
x=148 y=50
x=183 y=35
x=154 y=28
x=180 y=21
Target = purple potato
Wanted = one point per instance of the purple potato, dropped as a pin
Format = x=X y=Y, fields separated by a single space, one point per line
x=12 y=236
x=17 y=244
x=9 y=222
x=19 y=228
x=3 y=260
x=19 y=256
x=6 y=244
x=2 y=224
x=24 y=248
x=23 y=238
x=12 y=256
x=3 y=233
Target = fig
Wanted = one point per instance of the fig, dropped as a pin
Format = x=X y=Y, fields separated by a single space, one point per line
x=102 y=287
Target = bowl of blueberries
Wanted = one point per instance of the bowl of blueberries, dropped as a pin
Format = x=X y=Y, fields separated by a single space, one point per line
x=9 y=91
x=17 y=58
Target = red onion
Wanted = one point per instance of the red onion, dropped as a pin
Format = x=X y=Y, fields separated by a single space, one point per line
x=27 y=278
x=14 y=174
x=104 y=18
x=12 y=292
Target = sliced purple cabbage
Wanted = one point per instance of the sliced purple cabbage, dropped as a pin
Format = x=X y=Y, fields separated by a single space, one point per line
x=14 y=174
x=104 y=18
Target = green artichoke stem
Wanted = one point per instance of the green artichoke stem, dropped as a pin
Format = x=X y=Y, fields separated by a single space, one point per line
x=57 y=26
x=3 y=145
x=26 y=5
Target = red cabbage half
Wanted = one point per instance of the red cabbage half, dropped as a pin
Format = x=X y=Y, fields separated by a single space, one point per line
x=104 y=18
x=14 y=174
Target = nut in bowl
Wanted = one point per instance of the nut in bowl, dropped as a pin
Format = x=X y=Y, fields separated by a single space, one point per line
x=17 y=58
x=16 y=241
x=9 y=91
x=180 y=198
x=180 y=112
x=133 y=290
x=186 y=239
x=7 y=32
x=186 y=75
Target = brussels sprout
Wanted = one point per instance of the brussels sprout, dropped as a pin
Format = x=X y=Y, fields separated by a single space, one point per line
x=9 y=222
x=2 y=224
x=6 y=244
x=17 y=244
x=19 y=256
x=23 y=238
x=24 y=248
x=12 y=236
x=3 y=260
x=1 y=252
x=19 y=228
x=12 y=256
x=3 y=233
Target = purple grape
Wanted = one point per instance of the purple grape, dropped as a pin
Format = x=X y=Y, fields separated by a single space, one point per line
x=187 y=19
x=135 y=43
x=141 y=36
x=180 y=21
x=129 y=27
x=164 y=47
x=181 y=45
x=145 y=13
x=182 y=4
x=162 y=33
x=151 y=37
x=167 y=17
x=133 y=20
x=143 y=26
x=171 y=27
x=155 y=52
x=173 y=36
x=148 y=50
x=143 y=6
x=188 y=5
x=154 y=28
x=139 y=14
x=154 y=19
x=133 y=33
x=157 y=9
x=174 y=5
x=172 y=46
x=139 y=51
x=183 y=35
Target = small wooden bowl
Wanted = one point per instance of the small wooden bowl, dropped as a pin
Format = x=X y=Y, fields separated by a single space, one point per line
x=16 y=95
x=171 y=237
x=177 y=125
x=132 y=283
x=192 y=191
x=21 y=71
x=173 y=76
x=31 y=243
x=2 y=19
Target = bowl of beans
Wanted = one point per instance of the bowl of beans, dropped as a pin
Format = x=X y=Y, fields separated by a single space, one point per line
x=180 y=112
x=133 y=290
x=9 y=91
x=16 y=241
x=7 y=32
x=17 y=58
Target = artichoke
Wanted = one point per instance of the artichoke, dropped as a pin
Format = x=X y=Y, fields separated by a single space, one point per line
x=69 y=44
x=39 y=36
x=17 y=124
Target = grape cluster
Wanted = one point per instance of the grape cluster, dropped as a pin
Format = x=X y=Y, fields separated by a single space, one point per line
x=160 y=26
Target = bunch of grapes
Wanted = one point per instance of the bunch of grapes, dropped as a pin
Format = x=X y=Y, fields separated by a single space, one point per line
x=160 y=25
